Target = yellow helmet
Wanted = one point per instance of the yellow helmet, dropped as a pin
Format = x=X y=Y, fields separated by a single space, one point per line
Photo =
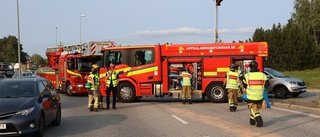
x=95 y=66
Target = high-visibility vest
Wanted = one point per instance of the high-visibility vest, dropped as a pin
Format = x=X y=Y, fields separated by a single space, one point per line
x=91 y=78
x=186 y=79
x=255 y=88
x=114 y=79
x=232 y=80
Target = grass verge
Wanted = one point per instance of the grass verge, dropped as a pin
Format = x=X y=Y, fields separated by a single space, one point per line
x=311 y=77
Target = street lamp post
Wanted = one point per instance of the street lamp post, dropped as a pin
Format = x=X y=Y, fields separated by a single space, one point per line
x=215 y=35
x=19 y=60
x=80 y=25
x=57 y=36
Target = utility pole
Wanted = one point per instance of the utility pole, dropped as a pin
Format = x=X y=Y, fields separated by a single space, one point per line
x=19 y=59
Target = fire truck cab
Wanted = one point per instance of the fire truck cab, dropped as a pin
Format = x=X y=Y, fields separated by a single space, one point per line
x=154 y=70
x=68 y=65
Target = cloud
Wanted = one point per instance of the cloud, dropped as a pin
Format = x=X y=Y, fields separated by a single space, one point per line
x=193 y=31
x=183 y=35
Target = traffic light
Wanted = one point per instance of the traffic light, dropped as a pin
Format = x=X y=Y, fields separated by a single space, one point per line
x=218 y=2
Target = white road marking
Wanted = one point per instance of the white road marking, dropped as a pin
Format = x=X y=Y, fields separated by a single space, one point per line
x=179 y=119
x=297 y=112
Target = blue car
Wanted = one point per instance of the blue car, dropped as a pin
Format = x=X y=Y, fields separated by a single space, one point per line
x=27 y=105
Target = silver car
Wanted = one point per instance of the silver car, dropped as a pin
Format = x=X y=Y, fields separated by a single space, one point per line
x=282 y=86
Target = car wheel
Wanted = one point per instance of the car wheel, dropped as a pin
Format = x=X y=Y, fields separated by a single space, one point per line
x=281 y=92
x=57 y=120
x=126 y=92
x=216 y=93
x=69 y=89
x=40 y=127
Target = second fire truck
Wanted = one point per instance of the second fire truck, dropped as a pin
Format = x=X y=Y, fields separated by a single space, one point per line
x=68 y=65
x=153 y=70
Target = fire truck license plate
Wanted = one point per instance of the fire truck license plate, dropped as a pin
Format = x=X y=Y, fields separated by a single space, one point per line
x=3 y=126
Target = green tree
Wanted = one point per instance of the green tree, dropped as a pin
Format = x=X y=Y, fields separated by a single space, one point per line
x=306 y=16
x=38 y=59
x=9 y=50
x=294 y=46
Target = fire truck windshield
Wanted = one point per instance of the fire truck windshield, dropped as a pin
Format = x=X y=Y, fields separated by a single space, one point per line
x=84 y=64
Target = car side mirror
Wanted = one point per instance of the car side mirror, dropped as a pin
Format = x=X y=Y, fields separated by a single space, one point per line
x=46 y=94
x=269 y=77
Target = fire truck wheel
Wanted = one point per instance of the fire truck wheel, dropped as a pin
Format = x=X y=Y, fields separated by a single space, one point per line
x=216 y=93
x=126 y=92
x=69 y=89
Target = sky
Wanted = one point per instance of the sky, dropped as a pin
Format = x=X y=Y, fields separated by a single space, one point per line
x=43 y=23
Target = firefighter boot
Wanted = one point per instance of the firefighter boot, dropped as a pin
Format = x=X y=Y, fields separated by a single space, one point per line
x=232 y=108
x=100 y=105
x=91 y=108
x=189 y=101
x=259 y=121
x=252 y=121
x=95 y=109
x=183 y=101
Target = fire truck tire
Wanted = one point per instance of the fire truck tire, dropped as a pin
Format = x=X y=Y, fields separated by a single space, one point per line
x=69 y=89
x=216 y=93
x=126 y=92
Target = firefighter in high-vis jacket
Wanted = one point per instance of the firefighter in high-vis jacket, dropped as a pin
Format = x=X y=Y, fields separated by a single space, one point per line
x=111 y=83
x=256 y=82
x=186 y=86
x=93 y=93
x=232 y=85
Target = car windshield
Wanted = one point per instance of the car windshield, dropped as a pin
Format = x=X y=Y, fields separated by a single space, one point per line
x=275 y=73
x=26 y=74
x=7 y=67
x=17 y=89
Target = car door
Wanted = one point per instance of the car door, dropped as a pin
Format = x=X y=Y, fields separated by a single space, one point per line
x=47 y=100
x=271 y=82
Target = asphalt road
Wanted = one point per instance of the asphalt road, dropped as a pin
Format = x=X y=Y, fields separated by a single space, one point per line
x=167 y=117
x=308 y=102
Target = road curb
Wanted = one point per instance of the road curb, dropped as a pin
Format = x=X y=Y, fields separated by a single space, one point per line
x=313 y=90
x=293 y=106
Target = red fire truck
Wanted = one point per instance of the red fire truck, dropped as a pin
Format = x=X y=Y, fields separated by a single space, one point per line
x=68 y=65
x=153 y=70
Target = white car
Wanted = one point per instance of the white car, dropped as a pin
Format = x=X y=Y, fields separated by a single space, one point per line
x=282 y=86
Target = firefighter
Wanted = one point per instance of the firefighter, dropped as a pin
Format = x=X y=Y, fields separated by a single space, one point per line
x=100 y=97
x=186 y=86
x=111 y=83
x=93 y=94
x=256 y=82
x=232 y=86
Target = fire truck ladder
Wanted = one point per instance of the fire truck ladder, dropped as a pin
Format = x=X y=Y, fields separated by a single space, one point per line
x=76 y=47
